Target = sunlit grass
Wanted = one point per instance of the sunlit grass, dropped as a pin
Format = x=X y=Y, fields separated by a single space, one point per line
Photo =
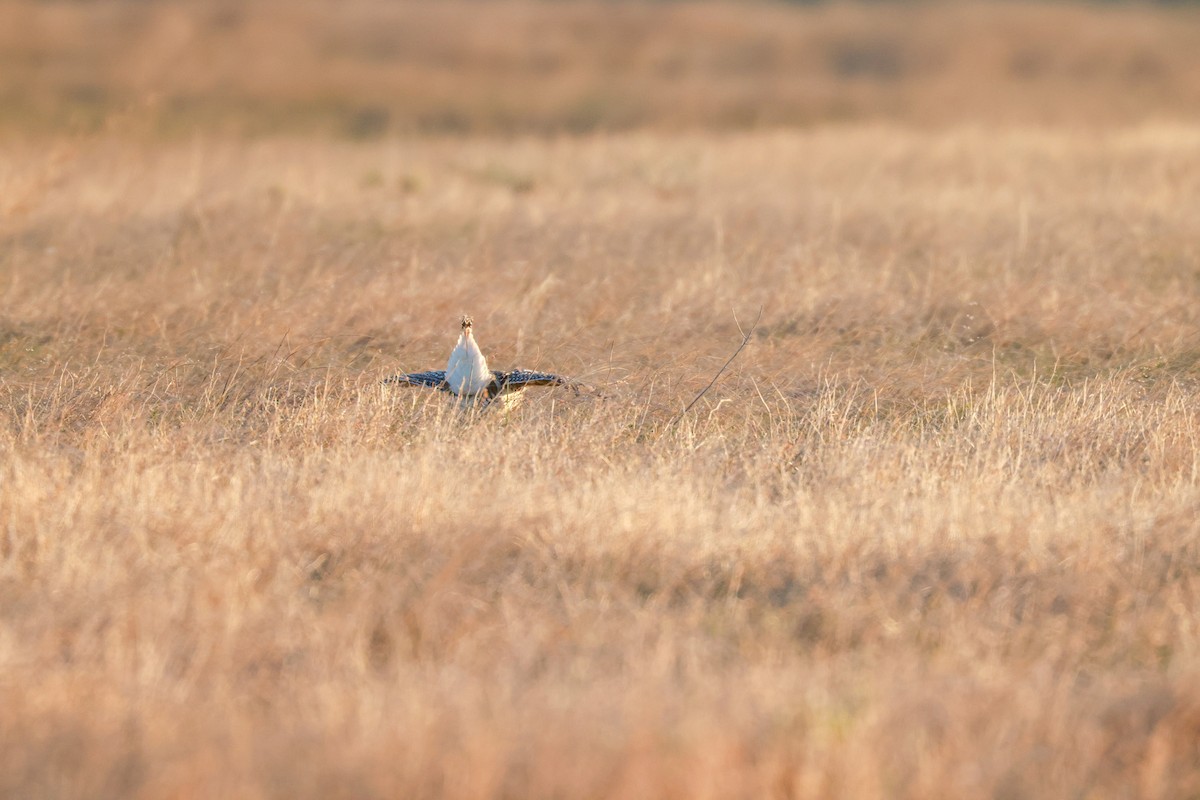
x=934 y=533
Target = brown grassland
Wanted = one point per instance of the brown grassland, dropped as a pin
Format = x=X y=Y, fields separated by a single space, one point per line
x=935 y=533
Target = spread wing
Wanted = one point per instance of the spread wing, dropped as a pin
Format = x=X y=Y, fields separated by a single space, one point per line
x=435 y=378
x=518 y=379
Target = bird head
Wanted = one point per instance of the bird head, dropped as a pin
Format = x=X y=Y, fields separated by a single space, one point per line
x=467 y=322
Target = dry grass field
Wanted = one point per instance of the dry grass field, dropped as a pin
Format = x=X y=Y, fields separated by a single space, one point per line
x=367 y=67
x=934 y=534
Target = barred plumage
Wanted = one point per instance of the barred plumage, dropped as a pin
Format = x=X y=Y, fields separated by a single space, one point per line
x=467 y=375
x=435 y=378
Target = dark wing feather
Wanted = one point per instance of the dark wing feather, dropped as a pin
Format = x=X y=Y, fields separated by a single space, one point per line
x=524 y=377
x=520 y=378
x=434 y=377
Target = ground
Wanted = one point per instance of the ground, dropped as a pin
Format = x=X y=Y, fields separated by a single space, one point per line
x=934 y=533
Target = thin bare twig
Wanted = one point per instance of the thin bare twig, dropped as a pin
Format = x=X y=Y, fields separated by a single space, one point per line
x=745 y=341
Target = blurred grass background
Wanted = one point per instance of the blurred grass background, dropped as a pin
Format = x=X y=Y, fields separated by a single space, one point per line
x=366 y=68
